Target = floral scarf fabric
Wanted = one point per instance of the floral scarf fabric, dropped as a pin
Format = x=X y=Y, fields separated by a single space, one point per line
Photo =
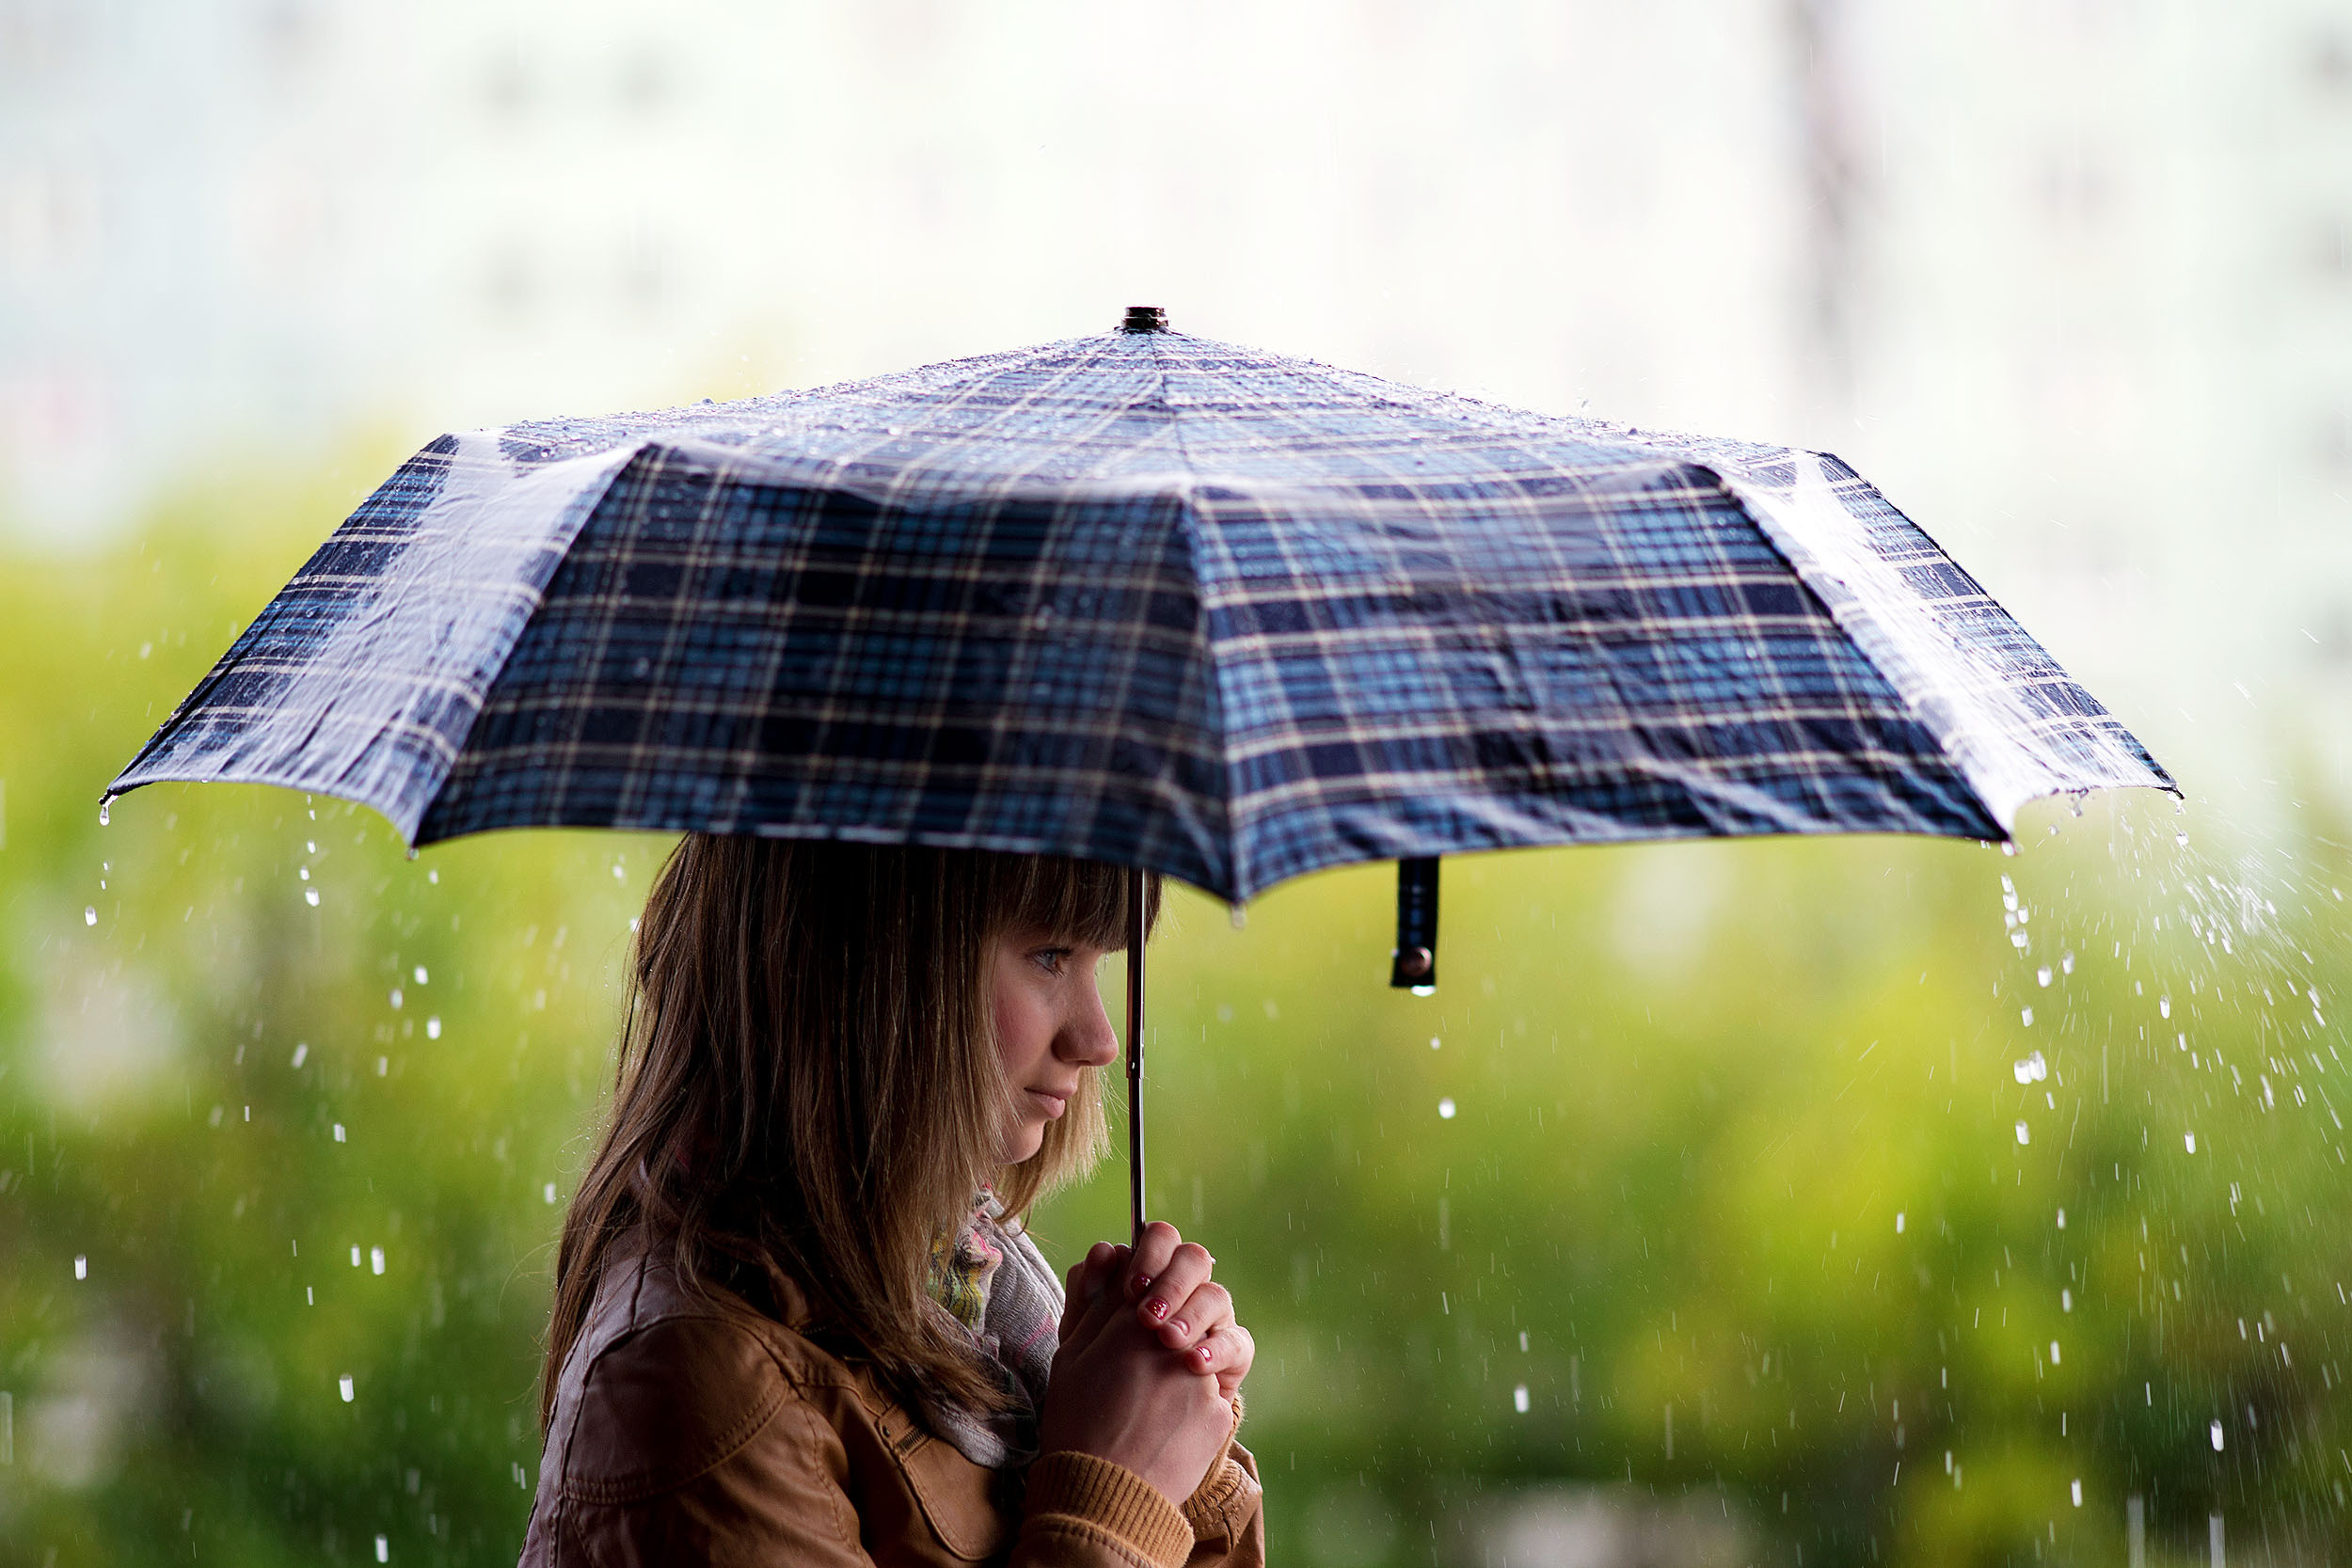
x=992 y=1277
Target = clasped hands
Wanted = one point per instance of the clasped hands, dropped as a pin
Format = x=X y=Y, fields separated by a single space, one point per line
x=1149 y=1361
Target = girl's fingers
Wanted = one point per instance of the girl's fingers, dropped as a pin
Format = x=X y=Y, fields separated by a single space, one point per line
x=1153 y=1250
x=1201 y=1314
x=1226 y=1356
x=1092 y=1293
x=1186 y=1271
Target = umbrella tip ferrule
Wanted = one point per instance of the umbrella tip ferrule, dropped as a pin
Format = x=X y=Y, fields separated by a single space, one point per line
x=1144 y=318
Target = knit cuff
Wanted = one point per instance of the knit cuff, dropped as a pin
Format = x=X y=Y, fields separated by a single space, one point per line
x=1113 y=1498
x=1218 y=1506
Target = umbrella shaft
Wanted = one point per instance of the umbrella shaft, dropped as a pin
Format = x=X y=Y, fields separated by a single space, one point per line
x=1134 y=1055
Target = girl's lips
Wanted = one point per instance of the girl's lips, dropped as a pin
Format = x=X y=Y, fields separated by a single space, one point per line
x=1055 y=1103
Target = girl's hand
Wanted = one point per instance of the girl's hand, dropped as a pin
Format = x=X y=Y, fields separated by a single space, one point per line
x=1118 y=1393
x=1167 y=1280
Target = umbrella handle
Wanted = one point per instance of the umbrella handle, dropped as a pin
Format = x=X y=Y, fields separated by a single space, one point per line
x=1134 y=1055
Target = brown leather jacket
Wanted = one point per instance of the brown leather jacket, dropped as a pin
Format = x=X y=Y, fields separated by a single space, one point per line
x=699 y=1431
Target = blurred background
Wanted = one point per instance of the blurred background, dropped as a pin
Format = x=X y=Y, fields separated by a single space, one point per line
x=1853 y=1202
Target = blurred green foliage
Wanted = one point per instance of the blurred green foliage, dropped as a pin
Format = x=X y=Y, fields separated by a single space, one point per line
x=1713 y=1171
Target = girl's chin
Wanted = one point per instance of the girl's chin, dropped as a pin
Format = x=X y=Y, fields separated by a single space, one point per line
x=1025 y=1142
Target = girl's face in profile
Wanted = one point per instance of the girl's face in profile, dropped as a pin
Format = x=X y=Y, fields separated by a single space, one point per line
x=1050 y=1022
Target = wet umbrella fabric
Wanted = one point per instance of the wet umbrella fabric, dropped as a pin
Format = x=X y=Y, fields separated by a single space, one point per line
x=1146 y=598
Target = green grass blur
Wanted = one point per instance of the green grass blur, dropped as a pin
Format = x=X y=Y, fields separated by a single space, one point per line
x=1713 y=1171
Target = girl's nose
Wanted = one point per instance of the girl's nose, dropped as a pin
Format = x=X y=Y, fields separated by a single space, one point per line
x=1088 y=1039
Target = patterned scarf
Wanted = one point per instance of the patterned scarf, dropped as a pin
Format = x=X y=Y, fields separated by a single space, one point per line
x=993 y=1278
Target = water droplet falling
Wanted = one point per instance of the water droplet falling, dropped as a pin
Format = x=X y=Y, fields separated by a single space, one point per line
x=433 y=1027
x=2181 y=839
x=343 y=1383
x=421 y=980
x=339 y=1130
x=2025 y=1134
x=90 y=915
x=2164 y=1006
x=302 y=1049
x=2066 y=1301
x=376 y=1259
x=81 y=1267
x=2216 y=1436
x=1519 y=1398
x=2078 y=1498
x=2043 y=975
x=1433 y=1042
x=2054 y=1352
x=311 y=896
x=105 y=810
x=1899 y=1222
x=548 y=1191
x=2191 y=1139
x=384 y=1547
x=1445 y=1108
x=2066 y=963
x=2027 y=1014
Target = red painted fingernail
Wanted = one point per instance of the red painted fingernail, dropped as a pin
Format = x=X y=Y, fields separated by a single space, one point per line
x=1143 y=1282
x=1202 y=1352
x=1159 y=1309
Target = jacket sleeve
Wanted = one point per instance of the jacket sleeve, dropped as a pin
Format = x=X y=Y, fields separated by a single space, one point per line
x=1228 y=1514
x=688 y=1445
x=1083 y=1505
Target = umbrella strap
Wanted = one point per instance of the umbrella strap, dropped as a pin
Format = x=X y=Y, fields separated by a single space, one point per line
x=1414 y=962
x=1135 y=1054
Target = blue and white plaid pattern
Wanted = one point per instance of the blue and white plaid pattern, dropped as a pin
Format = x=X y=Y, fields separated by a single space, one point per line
x=1146 y=598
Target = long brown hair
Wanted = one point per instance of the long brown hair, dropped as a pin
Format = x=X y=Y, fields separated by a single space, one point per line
x=808 y=1088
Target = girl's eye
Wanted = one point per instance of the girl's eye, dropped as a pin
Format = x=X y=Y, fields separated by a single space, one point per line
x=1050 y=959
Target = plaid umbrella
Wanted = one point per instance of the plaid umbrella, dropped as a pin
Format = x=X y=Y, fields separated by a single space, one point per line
x=1151 y=599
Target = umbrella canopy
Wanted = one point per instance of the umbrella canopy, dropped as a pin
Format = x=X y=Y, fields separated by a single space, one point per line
x=1147 y=598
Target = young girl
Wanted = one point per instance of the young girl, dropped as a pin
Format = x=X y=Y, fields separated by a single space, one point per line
x=798 y=1317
